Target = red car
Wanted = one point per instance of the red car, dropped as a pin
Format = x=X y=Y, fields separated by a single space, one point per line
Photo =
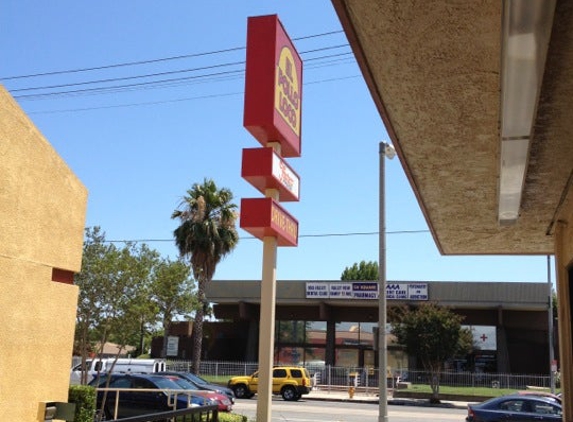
x=222 y=400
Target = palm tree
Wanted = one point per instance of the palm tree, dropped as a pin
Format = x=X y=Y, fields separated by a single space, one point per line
x=207 y=233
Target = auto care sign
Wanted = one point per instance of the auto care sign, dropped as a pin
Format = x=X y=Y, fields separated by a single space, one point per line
x=273 y=85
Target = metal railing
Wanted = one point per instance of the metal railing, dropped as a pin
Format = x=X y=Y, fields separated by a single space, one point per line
x=327 y=375
x=191 y=414
x=198 y=413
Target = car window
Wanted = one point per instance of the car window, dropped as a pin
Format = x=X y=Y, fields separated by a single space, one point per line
x=513 y=406
x=296 y=373
x=545 y=408
x=166 y=383
x=142 y=383
x=279 y=373
x=120 y=383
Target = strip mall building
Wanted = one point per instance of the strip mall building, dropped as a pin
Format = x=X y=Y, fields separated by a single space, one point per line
x=332 y=322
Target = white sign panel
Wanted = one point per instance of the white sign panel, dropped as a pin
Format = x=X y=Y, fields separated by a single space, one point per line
x=484 y=337
x=417 y=291
x=366 y=290
x=340 y=290
x=287 y=177
x=397 y=291
x=172 y=345
x=317 y=290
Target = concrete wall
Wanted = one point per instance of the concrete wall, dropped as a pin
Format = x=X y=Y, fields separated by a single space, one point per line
x=42 y=218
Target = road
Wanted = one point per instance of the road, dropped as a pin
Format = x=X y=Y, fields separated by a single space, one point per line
x=317 y=411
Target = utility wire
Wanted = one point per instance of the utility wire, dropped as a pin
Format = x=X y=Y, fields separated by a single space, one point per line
x=158 y=83
x=300 y=236
x=169 y=82
x=142 y=62
x=176 y=100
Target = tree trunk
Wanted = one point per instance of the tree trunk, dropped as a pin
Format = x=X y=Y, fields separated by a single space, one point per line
x=198 y=327
x=197 y=340
x=435 y=385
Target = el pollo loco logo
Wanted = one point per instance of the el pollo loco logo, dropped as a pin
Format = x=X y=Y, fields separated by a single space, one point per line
x=287 y=92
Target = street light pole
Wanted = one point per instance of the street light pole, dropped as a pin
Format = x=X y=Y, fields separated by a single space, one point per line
x=386 y=151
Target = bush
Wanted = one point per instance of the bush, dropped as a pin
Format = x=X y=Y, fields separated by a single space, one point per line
x=232 y=417
x=84 y=397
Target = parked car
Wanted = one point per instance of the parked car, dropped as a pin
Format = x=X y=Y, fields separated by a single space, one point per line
x=203 y=384
x=223 y=402
x=516 y=407
x=169 y=395
x=540 y=393
x=291 y=382
x=93 y=367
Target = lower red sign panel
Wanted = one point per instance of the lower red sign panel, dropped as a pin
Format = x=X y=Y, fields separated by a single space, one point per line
x=265 y=217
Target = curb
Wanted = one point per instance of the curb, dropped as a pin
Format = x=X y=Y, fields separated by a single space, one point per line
x=393 y=402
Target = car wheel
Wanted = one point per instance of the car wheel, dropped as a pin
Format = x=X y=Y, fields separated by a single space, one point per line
x=241 y=391
x=289 y=393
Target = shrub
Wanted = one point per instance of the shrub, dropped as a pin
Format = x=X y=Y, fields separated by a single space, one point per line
x=84 y=397
x=232 y=417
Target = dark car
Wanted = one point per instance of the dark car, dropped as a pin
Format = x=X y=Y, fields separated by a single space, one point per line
x=516 y=407
x=203 y=384
x=168 y=395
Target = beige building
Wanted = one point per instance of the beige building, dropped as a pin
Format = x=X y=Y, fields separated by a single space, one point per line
x=42 y=217
x=476 y=98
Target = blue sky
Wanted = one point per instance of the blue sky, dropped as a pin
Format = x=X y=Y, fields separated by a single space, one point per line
x=139 y=147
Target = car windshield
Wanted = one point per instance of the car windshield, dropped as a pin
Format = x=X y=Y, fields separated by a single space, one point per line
x=197 y=379
x=184 y=384
x=167 y=384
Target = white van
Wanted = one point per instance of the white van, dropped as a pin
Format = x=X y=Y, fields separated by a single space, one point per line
x=122 y=366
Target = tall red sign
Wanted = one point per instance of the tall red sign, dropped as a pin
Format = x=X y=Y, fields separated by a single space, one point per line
x=273 y=104
x=273 y=85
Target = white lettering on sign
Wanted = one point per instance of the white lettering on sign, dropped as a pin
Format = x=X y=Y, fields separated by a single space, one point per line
x=397 y=291
x=341 y=290
x=285 y=176
x=316 y=290
x=417 y=291
x=366 y=290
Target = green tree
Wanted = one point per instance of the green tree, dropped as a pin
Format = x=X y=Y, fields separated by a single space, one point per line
x=172 y=292
x=363 y=271
x=432 y=334
x=114 y=294
x=206 y=234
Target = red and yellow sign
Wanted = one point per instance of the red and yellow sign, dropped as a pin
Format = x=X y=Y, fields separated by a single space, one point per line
x=273 y=86
x=264 y=217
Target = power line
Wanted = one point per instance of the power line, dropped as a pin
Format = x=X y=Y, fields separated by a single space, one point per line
x=148 y=84
x=300 y=236
x=150 y=61
x=176 y=100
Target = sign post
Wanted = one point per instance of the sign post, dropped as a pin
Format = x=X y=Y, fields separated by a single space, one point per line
x=273 y=104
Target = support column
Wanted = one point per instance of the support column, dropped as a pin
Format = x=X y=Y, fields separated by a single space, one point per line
x=330 y=342
x=563 y=271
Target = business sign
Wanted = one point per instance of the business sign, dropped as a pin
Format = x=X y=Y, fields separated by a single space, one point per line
x=172 y=346
x=264 y=169
x=273 y=85
x=265 y=217
x=365 y=290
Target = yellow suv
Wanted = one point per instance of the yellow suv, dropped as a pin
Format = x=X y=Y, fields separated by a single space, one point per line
x=291 y=382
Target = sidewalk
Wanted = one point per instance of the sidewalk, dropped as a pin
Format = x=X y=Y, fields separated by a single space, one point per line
x=370 y=395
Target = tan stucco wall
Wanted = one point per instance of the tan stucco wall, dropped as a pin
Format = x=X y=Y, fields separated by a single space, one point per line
x=42 y=219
